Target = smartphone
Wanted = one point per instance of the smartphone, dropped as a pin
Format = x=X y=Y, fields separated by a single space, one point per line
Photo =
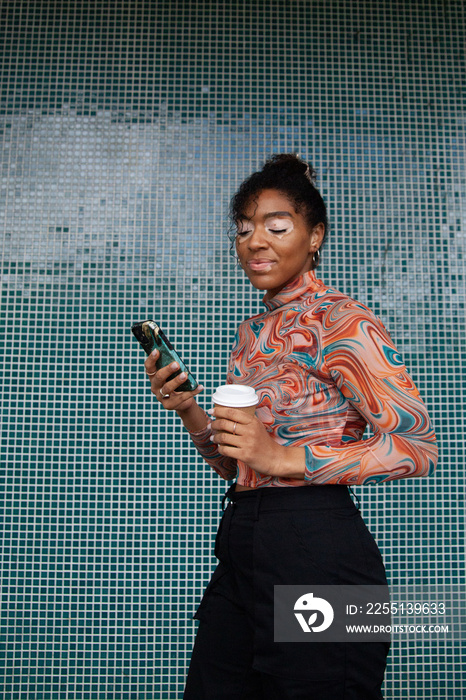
x=150 y=336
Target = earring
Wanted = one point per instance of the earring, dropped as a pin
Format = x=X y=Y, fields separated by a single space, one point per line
x=316 y=258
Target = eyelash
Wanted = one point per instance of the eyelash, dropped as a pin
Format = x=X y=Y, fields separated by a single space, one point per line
x=242 y=234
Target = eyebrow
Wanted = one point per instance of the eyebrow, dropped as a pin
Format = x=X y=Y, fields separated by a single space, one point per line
x=277 y=213
x=271 y=214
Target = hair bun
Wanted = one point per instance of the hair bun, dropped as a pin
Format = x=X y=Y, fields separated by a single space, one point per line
x=292 y=164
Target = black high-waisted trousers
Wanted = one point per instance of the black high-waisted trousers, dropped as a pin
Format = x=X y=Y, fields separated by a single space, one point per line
x=283 y=536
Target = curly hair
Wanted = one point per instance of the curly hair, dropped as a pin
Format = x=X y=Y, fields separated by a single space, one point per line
x=291 y=176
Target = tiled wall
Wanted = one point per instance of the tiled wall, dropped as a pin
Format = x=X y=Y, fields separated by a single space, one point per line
x=126 y=127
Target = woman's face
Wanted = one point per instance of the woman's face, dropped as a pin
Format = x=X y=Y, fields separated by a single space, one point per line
x=274 y=243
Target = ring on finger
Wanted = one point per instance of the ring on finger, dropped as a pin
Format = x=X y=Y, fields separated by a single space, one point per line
x=234 y=428
x=164 y=396
x=151 y=374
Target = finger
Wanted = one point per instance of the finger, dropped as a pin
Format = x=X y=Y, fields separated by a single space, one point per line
x=166 y=399
x=226 y=439
x=174 y=383
x=231 y=414
x=227 y=426
x=167 y=370
x=174 y=399
x=228 y=451
x=150 y=361
x=170 y=390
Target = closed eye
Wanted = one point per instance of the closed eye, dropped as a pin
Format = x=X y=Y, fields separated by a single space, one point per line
x=279 y=226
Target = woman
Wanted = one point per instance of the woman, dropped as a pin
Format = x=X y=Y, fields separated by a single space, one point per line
x=324 y=367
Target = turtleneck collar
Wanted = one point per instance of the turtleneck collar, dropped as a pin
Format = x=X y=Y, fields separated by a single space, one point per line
x=304 y=284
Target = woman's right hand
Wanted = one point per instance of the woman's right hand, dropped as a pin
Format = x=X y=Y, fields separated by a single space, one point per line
x=165 y=391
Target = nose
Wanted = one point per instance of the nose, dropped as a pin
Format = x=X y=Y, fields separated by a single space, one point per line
x=258 y=239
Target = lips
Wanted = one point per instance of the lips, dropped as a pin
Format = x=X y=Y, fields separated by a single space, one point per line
x=260 y=264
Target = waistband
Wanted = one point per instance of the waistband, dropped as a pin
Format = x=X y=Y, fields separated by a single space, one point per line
x=291 y=497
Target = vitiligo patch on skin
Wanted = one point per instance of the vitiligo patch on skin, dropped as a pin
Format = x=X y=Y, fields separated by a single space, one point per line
x=276 y=226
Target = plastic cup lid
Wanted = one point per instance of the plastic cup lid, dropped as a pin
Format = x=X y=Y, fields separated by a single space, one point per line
x=235 y=396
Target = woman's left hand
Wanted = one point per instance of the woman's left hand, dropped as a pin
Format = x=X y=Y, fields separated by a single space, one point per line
x=242 y=436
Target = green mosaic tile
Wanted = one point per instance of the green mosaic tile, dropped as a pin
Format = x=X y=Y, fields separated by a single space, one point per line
x=124 y=131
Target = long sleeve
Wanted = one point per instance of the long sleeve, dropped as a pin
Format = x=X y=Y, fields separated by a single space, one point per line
x=362 y=361
x=224 y=466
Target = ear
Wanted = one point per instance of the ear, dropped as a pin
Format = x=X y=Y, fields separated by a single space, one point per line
x=316 y=237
